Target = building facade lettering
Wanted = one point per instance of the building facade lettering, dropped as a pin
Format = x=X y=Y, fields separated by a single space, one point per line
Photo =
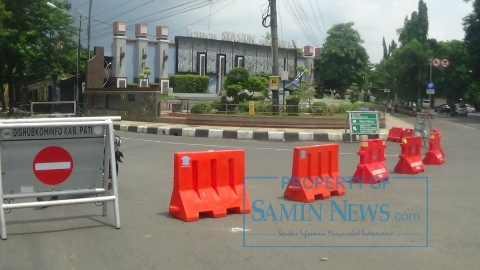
x=234 y=37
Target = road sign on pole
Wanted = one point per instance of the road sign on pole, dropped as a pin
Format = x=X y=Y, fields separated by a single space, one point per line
x=430 y=88
x=436 y=62
x=362 y=123
x=445 y=63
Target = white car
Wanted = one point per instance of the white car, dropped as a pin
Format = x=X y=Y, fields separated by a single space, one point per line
x=426 y=104
x=470 y=108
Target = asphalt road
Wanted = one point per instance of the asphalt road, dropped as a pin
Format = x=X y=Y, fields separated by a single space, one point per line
x=78 y=237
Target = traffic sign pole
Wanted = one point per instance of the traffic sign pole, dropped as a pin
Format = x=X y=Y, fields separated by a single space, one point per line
x=430 y=95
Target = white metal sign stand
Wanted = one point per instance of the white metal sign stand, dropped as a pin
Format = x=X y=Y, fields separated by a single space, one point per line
x=26 y=173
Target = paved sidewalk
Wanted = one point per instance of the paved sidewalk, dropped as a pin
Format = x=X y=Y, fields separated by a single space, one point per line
x=252 y=133
x=242 y=133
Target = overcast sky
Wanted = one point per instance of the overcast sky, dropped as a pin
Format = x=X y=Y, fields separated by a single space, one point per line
x=374 y=19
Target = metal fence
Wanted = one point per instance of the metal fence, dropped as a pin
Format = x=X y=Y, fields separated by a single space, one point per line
x=61 y=108
x=260 y=108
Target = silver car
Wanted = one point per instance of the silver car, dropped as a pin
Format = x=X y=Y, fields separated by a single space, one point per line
x=461 y=109
x=470 y=108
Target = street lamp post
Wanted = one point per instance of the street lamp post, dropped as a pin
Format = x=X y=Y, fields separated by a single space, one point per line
x=77 y=92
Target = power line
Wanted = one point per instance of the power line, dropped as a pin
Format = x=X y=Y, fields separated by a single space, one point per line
x=146 y=16
x=297 y=21
x=204 y=17
x=308 y=26
x=321 y=18
x=109 y=10
x=167 y=16
x=316 y=21
x=104 y=31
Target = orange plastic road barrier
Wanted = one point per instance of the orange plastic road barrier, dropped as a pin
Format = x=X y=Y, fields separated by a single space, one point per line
x=410 y=159
x=371 y=169
x=315 y=174
x=395 y=134
x=209 y=182
x=434 y=155
x=408 y=132
x=439 y=141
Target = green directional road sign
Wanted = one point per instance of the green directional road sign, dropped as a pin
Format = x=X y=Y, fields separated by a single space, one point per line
x=359 y=129
x=364 y=122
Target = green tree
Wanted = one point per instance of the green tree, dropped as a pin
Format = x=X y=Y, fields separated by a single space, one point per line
x=306 y=93
x=302 y=70
x=3 y=16
x=452 y=82
x=411 y=64
x=354 y=93
x=36 y=42
x=471 y=24
x=385 y=51
x=235 y=82
x=392 y=48
x=344 y=60
x=411 y=58
x=416 y=27
x=256 y=84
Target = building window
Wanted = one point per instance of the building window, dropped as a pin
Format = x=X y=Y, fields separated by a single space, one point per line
x=98 y=101
x=221 y=70
x=202 y=64
x=239 y=61
x=114 y=101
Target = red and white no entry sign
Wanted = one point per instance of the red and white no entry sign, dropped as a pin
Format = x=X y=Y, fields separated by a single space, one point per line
x=436 y=62
x=52 y=165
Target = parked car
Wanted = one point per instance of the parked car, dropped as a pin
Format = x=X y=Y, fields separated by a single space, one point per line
x=426 y=104
x=444 y=108
x=460 y=109
x=470 y=108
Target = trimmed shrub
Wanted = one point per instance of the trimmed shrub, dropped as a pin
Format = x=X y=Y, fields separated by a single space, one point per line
x=343 y=108
x=263 y=106
x=357 y=104
x=205 y=107
x=292 y=102
x=189 y=83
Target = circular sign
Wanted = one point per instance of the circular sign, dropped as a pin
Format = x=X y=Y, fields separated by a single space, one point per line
x=436 y=62
x=52 y=165
x=6 y=133
x=445 y=63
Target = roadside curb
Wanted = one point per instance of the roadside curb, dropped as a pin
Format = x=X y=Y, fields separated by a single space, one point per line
x=245 y=134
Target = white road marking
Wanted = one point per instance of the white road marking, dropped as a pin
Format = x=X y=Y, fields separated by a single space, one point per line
x=463 y=126
x=52 y=166
x=229 y=146
x=234 y=230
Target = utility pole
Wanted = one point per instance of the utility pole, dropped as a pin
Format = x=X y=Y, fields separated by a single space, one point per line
x=89 y=16
x=284 y=69
x=275 y=67
x=77 y=94
x=430 y=95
